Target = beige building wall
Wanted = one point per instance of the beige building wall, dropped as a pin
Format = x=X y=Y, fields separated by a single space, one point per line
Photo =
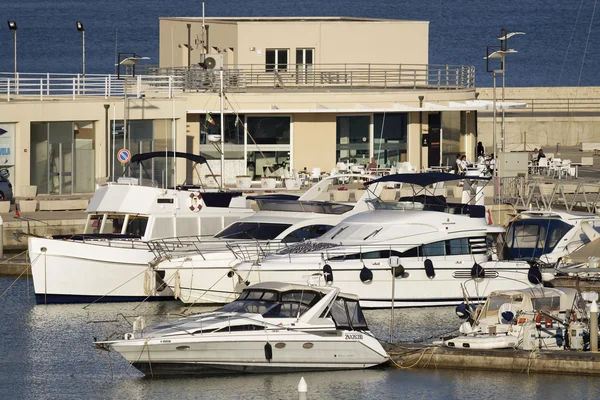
x=23 y=113
x=565 y=115
x=314 y=141
x=335 y=40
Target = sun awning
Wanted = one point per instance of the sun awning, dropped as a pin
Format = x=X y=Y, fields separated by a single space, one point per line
x=423 y=179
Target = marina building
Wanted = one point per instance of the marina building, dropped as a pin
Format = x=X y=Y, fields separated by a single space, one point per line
x=271 y=93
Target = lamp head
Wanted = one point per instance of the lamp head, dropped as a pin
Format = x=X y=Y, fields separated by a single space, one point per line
x=79 y=26
x=12 y=25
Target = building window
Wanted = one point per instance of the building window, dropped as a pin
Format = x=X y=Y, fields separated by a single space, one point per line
x=276 y=59
x=62 y=157
x=390 y=137
x=233 y=139
x=450 y=136
x=304 y=65
x=352 y=134
x=267 y=145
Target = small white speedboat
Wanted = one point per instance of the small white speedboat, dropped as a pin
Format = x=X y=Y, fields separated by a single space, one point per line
x=271 y=327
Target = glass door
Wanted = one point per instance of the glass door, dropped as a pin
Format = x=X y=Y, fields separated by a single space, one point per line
x=304 y=65
x=60 y=158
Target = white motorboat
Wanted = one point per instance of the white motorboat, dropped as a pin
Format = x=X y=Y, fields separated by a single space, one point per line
x=421 y=251
x=549 y=235
x=271 y=327
x=110 y=260
x=528 y=319
x=194 y=268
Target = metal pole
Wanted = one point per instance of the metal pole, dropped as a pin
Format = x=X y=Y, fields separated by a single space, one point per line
x=502 y=67
x=495 y=149
x=222 y=129
x=83 y=58
x=393 y=298
x=125 y=116
x=107 y=129
x=15 y=51
x=189 y=45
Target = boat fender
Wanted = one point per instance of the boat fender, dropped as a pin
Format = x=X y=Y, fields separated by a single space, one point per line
x=534 y=275
x=398 y=271
x=477 y=271
x=268 y=351
x=463 y=311
x=538 y=321
x=195 y=204
x=328 y=274
x=559 y=337
x=366 y=275
x=429 y=270
x=548 y=323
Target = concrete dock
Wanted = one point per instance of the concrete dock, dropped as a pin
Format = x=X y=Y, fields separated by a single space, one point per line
x=507 y=360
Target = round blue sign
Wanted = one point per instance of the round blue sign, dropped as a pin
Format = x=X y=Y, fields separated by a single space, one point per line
x=124 y=155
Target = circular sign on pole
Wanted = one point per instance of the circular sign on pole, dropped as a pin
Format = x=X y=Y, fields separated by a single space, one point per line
x=123 y=156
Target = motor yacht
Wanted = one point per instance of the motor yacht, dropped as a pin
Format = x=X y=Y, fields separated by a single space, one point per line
x=270 y=327
x=550 y=235
x=109 y=261
x=423 y=252
x=192 y=265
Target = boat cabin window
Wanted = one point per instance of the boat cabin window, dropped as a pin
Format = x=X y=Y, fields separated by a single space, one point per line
x=495 y=302
x=272 y=304
x=347 y=314
x=307 y=232
x=252 y=230
x=434 y=249
x=532 y=238
x=136 y=224
x=546 y=303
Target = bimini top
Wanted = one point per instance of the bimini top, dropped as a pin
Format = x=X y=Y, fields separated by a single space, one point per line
x=423 y=179
x=138 y=158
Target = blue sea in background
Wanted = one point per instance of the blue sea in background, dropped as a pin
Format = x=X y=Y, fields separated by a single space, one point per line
x=558 y=33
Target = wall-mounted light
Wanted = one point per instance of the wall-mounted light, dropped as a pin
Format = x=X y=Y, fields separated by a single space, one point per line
x=252 y=48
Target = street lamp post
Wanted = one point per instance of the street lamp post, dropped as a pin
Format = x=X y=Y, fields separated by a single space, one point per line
x=421 y=132
x=505 y=34
x=80 y=29
x=12 y=25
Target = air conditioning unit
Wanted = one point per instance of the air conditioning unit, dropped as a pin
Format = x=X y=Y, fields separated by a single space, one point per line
x=215 y=61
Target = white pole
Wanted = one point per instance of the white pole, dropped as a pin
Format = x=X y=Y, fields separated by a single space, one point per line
x=302 y=390
x=222 y=131
x=502 y=125
x=495 y=149
x=174 y=133
x=112 y=149
x=594 y=327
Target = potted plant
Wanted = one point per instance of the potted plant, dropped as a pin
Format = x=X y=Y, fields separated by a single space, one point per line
x=243 y=181
x=341 y=194
x=27 y=205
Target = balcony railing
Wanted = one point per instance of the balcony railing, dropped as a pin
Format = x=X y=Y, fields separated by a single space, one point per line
x=169 y=82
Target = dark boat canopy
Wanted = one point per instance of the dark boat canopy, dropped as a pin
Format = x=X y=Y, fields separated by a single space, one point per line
x=423 y=179
x=138 y=158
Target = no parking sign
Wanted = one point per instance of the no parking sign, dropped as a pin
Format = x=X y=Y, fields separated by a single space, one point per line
x=123 y=156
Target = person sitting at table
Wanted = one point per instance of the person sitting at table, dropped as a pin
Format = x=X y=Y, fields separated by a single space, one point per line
x=465 y=162
x=533 y=157
x=372 y=164
x=390 y=163
x=460 y=169
x=540 y=155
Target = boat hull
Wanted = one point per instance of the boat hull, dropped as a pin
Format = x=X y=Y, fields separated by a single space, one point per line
x=67 y=271
x=235 y=352
x=413 y=289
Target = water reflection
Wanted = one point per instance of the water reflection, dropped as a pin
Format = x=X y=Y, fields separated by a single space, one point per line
x=48 y=353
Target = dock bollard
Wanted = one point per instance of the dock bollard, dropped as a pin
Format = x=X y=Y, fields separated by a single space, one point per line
x=302 y=390
x=594 y=327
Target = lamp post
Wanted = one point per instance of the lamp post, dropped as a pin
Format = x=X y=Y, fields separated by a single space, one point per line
x=12 y=25
x=505 y=34
x=80 y=29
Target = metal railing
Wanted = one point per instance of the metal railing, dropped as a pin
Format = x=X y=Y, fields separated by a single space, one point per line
x=48 y=86
x=350 y=76
x=169 y=82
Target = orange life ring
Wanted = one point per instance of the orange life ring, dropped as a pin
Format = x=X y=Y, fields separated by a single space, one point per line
x=195 y=204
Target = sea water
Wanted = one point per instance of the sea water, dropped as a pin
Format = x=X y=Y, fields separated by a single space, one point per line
x=47 y=352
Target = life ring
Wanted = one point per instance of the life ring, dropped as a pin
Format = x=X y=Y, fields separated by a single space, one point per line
x=195 y=204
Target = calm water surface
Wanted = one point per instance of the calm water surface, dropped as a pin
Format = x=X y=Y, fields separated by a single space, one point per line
x=550 y=54
x=47 y=353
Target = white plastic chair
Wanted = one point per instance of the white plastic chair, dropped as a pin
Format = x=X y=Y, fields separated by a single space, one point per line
x=565 y=169
x=315 y=176
x=542 y=165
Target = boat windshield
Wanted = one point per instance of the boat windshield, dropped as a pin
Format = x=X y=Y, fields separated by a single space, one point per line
x=136 y=224
x=347 y=314
x=495 y=302
x=532 y=238
x=252 y=230
x=272 y=304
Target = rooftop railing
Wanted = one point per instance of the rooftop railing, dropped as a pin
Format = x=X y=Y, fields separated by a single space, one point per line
x=169 y=82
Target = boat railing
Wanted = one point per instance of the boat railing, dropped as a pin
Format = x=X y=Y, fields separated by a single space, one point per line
x=107 y=240
x=243 y=250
